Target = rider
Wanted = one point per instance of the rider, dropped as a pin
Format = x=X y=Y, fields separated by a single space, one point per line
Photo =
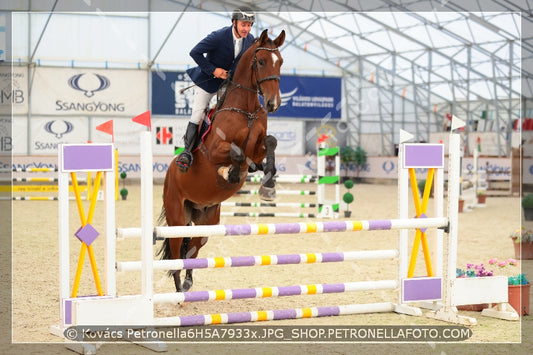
x=223 y=49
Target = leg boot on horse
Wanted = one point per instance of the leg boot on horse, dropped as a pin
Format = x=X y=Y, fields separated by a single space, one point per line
x=184 y=161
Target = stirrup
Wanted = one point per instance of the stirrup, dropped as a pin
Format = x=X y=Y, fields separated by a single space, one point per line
x=184 y=161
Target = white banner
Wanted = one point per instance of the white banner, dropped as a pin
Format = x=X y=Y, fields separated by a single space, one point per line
x=13 y=90
x=47 y=133
x=290 y=136
x=94 y=92
x=376 y=167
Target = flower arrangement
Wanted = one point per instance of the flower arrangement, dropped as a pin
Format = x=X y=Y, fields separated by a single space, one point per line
x=522 y=235
x=479 y=270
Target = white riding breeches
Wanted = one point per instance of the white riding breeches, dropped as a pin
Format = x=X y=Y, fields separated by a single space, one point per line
x=200 y=103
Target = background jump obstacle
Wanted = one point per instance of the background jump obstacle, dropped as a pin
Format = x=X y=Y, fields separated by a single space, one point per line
x=324 y=208
x=138 y=309
x=41 y=188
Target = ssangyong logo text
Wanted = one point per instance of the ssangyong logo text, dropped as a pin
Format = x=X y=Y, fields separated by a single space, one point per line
x=89 y=85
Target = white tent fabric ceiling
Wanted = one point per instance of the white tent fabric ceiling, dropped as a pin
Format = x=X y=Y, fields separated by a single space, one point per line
x=463 y=57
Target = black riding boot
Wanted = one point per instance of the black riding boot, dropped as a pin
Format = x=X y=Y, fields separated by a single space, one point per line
x=184 y=160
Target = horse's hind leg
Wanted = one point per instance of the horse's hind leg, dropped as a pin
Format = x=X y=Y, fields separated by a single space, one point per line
x=267 y=191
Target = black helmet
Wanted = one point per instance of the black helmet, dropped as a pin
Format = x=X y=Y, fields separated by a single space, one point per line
x=244 y=14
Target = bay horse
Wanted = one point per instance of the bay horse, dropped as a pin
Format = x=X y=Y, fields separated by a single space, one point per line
x=237 y=143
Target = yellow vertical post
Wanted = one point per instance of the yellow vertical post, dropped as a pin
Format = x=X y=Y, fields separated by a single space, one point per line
x=84 y=247
x=420 y=209
x=89 y=182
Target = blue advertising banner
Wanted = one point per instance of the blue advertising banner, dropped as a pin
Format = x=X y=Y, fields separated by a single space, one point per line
x=309 y=97
x=302 y=96
x=166 y=98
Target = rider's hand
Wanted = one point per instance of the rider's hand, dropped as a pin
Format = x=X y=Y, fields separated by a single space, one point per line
x=220 y=73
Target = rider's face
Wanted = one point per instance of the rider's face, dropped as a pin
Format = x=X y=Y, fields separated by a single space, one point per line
x=243 y=28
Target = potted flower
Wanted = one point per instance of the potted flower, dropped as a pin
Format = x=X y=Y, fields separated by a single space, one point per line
x=481 y=197
x=527 y=206
x=515 y=283
x=348 y=198
x=461 y=204
x=523 y=243
x=519 y=294
x=123 y=191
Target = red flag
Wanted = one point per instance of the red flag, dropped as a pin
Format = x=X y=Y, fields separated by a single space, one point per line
x=144 y=119
x=322 y=138
x=107 y=127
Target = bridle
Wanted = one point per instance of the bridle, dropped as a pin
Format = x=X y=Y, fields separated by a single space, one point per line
x=255 y=73
x=255 y=70
x=251 y=116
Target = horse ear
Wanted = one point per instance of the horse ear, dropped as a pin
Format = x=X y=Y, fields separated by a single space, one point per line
x=281 y=38
x=264 y=37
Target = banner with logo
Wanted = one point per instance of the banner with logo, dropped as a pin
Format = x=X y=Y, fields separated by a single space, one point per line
x=166 y=96
x=290 y=136
x=47 y=133
x=302 y=96
x=90 y=92
x=13 y=90
x=310 y=97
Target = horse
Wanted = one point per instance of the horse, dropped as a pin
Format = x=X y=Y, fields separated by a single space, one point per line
x=237 y=143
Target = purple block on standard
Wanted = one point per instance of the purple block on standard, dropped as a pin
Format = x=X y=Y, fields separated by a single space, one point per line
x=423 y=156
x=422 y=289
x=87 y=157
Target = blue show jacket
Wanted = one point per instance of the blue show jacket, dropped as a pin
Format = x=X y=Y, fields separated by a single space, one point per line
x=219 y=49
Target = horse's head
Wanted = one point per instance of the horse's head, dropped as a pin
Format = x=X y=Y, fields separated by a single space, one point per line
x=266 y=66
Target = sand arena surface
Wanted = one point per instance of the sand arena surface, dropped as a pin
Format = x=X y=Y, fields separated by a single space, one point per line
x=483 y=234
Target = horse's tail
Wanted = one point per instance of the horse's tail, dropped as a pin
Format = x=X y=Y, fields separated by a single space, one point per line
x=162 y=219
x=164 y=251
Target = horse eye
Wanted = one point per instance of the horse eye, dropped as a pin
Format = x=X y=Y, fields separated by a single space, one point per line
x=261 y=62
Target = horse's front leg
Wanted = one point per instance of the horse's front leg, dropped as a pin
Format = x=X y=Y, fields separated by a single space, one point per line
x=267 y=191
x=237 y=158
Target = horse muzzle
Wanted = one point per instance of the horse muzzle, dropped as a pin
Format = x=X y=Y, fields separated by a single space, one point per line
x=272 y=104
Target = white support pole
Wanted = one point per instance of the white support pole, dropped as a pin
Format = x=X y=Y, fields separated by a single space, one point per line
x=320 y=171
x=110 y=230
x=63 y=224
x=147 y=224
x=403 y=209
x=475 y=174
x=338 y=173
x=454 y=181
x=438 y=196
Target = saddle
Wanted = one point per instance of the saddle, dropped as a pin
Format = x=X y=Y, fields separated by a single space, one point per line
x=205 y=127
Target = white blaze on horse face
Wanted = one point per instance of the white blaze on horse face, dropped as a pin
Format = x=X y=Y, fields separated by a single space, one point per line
x=274 y=59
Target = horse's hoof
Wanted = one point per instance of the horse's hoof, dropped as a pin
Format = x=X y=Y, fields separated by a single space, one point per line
x=187 y=284
x=233 y=176
x=267 y=193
